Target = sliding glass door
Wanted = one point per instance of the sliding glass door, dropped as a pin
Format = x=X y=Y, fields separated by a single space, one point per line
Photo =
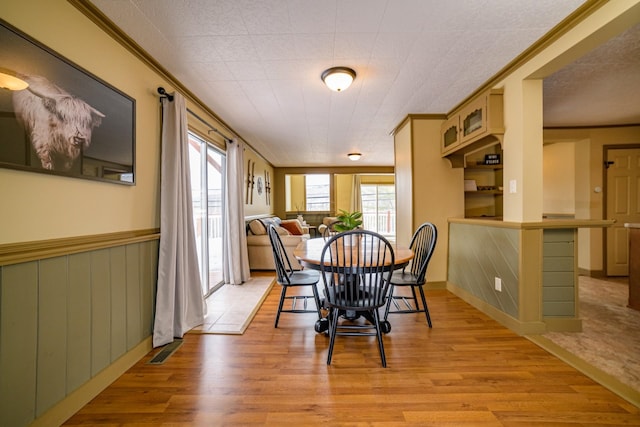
x=207 y=184
x=379 y=208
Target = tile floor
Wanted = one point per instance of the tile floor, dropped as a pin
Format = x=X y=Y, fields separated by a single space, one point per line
x=231 y=308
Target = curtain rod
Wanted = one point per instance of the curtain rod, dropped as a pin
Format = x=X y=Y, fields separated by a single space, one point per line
x=164 y=94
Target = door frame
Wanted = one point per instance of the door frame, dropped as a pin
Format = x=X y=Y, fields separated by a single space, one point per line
x=605 y=152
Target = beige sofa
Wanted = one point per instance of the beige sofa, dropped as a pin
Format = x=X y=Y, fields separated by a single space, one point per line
x=259 y=245
x=327 y=222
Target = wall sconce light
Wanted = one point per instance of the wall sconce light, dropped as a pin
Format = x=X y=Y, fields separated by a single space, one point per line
x=354 y=156
x=338 y=78
x=10 y=80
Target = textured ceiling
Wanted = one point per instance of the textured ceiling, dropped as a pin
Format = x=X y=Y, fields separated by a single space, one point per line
x=601 y=88
x=257 y=64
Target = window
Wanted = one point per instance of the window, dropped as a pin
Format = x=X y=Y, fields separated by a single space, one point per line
x=207 y=168
x=317 y=192
x=379 y=208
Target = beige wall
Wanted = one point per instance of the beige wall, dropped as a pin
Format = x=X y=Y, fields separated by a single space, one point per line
x=404 y=183
x=260 y=205
x=38 y=206
x=523 y=103
x=436 y=191
x=589 y=175
x=41 y=207
x=558 y=178
x=343 y=191
x=427 y=187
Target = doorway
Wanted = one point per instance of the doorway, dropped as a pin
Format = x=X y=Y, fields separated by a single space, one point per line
x=621 y=177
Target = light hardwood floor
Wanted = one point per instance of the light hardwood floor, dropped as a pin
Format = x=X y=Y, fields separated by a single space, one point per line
x=467 y=370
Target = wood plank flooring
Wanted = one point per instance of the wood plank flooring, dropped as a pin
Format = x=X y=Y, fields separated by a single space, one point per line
x=466 y=371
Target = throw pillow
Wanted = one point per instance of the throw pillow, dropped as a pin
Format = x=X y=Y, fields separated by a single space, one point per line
x=257 y=227
x=293 y=226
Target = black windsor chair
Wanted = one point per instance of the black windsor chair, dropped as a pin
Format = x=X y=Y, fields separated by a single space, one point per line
x=356 y=270
x=287 y=277
x=423 y=242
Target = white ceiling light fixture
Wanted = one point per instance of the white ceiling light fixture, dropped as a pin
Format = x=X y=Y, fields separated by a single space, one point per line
x=354 y=156
x=10 y=80
x=338 y=78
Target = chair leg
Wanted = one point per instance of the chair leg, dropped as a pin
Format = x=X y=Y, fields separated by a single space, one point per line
x=376 y=318
x=316 y=298
x=424 y=304
x=333 y=325
x=282 y=297
x=389 y=301
x=415 y=298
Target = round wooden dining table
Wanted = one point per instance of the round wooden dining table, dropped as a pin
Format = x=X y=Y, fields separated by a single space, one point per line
x=309 y=251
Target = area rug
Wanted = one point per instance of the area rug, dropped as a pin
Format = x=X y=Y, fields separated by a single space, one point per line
x=231 y=308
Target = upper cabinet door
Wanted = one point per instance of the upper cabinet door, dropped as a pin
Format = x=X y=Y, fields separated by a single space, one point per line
x=450 y=138
x=474 y=119
x=477 y=125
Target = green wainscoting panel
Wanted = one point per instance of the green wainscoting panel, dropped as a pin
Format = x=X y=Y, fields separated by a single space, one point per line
x=52 y=333
x=479 y=254
x=133 y=296
x=66 y=318
x=18 y=343
x=118 y=282
x=101 y=311
x=561 y=278
x=557 y=264
x=79 y=318
x=558 y=293
x=148 y=279
x=558 y=273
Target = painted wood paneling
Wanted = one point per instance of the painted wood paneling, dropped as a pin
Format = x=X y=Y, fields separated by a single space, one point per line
x=118 y=283
x=477 y=255
x=79 y=318
x=100 y=311
x=18 y=343
x=52 y=333
x=64 y=319
x=148 y=278
x=133 y=296
x=558 y=275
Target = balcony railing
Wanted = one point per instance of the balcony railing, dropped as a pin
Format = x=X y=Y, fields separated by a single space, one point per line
x=383 y=223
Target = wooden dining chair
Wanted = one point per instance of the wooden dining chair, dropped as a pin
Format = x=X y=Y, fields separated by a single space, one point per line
x=423 y=243
x=287 y=278
x=356 y=269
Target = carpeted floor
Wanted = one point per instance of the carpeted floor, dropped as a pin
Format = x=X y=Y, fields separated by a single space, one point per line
x=231 y=308
x=610 y=340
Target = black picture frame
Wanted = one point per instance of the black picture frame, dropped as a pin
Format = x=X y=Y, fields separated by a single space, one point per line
x=68 y=122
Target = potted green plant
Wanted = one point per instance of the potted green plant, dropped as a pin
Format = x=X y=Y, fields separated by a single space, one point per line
x=348 y=221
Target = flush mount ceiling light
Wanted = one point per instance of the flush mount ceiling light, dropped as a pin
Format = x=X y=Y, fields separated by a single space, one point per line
x=338 y=78
x=9 y=80
x=354 y=156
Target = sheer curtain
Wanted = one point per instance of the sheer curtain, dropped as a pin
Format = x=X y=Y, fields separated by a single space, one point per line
x=356 y=194
x=235 y=261
x=179 y=300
